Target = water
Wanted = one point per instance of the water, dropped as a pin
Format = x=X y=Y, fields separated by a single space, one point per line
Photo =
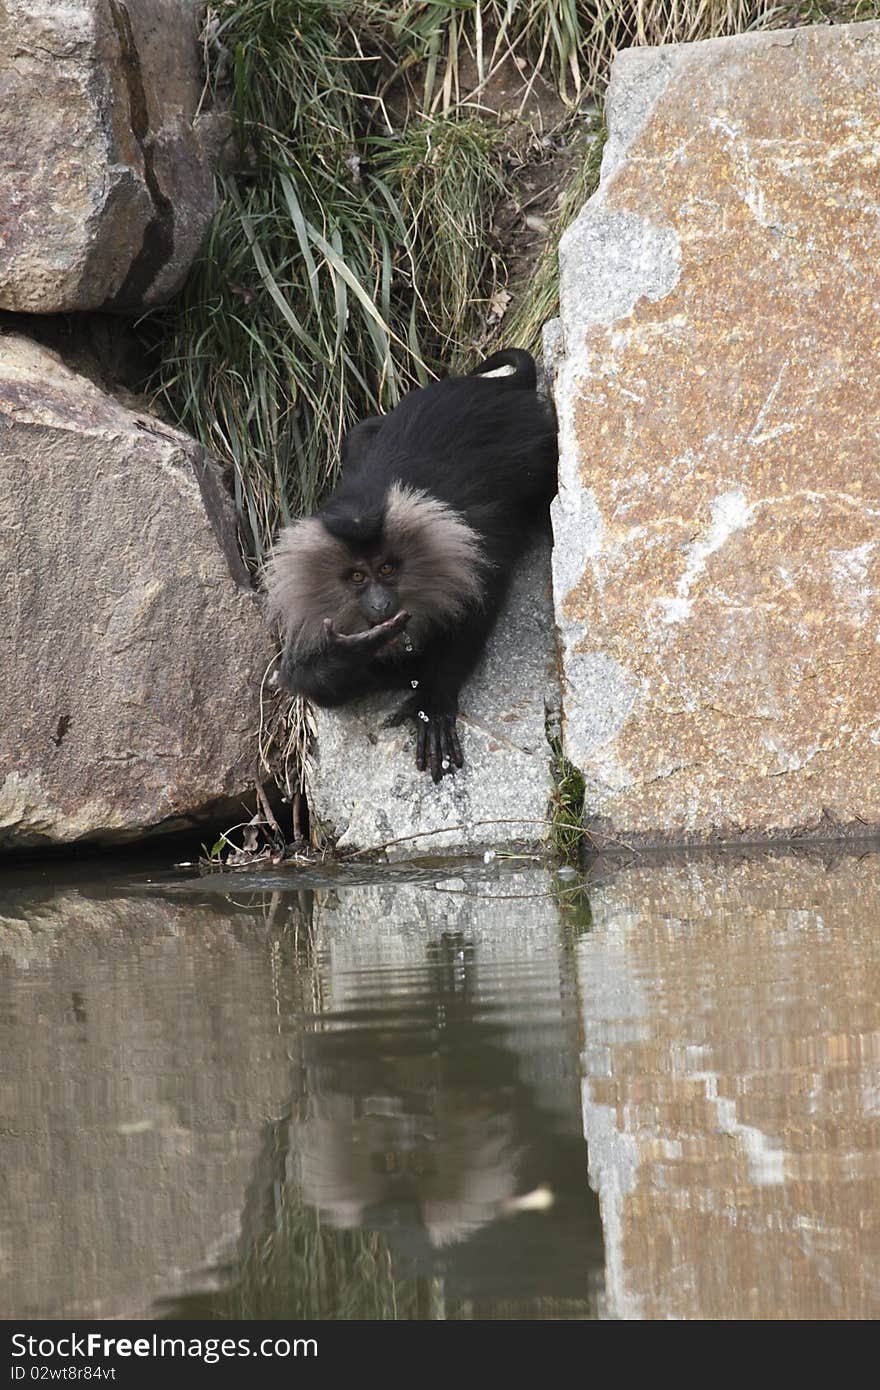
x=451 y=1091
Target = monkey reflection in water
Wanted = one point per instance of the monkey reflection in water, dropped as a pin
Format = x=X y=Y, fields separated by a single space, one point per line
x=416 y=1122
x=397 y=580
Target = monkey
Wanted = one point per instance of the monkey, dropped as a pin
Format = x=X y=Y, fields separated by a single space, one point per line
x=396 y=581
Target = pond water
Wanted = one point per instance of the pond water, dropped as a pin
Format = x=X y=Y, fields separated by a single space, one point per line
x=443 y=1091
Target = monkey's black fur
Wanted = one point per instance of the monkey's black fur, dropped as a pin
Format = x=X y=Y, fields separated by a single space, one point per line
x=435 y=505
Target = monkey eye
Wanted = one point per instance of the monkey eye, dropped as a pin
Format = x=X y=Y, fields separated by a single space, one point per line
x=387 y=569
x=357 y=576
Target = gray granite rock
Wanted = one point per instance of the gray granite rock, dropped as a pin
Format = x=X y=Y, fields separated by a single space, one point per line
x=364 y=785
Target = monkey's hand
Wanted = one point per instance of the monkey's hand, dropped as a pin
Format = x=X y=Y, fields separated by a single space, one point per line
x=437 y=745
x=340 y=667
x=363 y=646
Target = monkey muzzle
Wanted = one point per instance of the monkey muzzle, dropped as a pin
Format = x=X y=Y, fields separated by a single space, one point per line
x=379 y=604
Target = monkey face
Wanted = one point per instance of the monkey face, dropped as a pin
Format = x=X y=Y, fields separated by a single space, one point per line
x=419 y=556
x=373 y=583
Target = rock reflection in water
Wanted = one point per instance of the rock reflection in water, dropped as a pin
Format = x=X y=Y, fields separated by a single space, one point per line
x=368 y=1099
x=731 y=1087
x=140 y=1060
x=224 y=1100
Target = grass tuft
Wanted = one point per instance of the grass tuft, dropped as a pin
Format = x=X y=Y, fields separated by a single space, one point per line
x=353 y=254
x=343 y=266
x=447 y=176
x=566 y=805
x=541 y=303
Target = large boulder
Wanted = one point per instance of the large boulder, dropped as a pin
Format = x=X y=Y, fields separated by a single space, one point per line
x=105 y=188
x=364 y=785
x=132 y=646
x=716 y=566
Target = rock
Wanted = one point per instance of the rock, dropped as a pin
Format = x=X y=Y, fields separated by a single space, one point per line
x=106 y=190
x=105 y=347
x=364 y=784
x=716 y=565
x=132 y=646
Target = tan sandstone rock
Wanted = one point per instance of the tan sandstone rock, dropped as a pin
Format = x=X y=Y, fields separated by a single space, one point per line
x=716 y=566
x=131 y=644
x=105 y=188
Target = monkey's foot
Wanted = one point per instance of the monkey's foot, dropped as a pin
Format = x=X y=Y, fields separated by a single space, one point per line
x=437 y=745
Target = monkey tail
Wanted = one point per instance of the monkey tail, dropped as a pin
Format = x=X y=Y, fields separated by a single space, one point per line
x=524 y=376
